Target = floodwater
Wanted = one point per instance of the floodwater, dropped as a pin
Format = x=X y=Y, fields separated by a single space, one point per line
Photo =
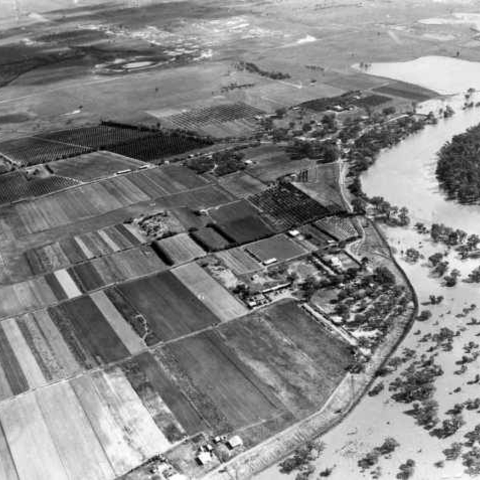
x=445 y=75
x=404 y=176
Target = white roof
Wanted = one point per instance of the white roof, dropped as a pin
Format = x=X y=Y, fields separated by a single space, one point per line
x=235 y=441
x=204 y=457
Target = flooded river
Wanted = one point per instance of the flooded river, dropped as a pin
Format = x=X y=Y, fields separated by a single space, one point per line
x=404 y=175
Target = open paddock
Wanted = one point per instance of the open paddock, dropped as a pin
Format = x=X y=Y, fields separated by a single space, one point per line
x=146 y=378
x=241 y=184
x=209 y=239
x=280 y=94
x=415 y=93
x=169 y=307
x=25 y=430
x=338 y=227
x=92 y=166
x=316 y=236
x=91 y=206
x=238 y=397
x=81 y=321
x=286 y=358
x=279 y=247
x=239 y=261
x=244 y=230
x=135 y=262
x=125 y=405
x=29 y=295
x=210 y=292
x=178 y=249
x=132 y=316
x=275 y=167
x=113 y=435
x=78 y=447
x=232 y=211
x=239 y=222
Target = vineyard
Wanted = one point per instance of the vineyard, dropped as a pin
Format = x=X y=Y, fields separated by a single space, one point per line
x=286 y=206
x=15 y=186
x=128 y=141
x=97 y=137
x=220 y=120
x=156 y=146
x=32 y=151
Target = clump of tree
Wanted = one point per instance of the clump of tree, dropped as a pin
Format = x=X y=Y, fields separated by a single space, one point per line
x=302 y=459
x=253 y=68
x=425 y=413
x=474 y=275
x=453 y=452
x=219 y=163
x=412 y=255
x=451 y=279
x=384 y=276
x=390 y=214
x=458 y=169
x=371 y=458
x=424 y=315
x=407 y=470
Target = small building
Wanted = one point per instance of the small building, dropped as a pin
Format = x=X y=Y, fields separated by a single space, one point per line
x=234 y=442
x=270 y=261
x=294 y=233
x=204 y=458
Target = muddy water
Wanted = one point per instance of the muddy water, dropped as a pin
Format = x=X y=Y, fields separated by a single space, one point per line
x=404 y=175
x=445 y=75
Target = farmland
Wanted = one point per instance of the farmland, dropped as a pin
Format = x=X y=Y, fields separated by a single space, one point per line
x=239 y=261
x=406 y=90
x=32 y=151
x=212 y=294
x=225 y=120
x=307 y=380
x=17 y=186
x=239 y=222
x=92 y=166
x=179 y=262
x=286 y=206
x=340 y=228
x=128 y=141
x=242 y=184
x=178 y=249
x=163 y=297
x=279 y=247
x=79 y=248
x=156 y=146
x=209 y=239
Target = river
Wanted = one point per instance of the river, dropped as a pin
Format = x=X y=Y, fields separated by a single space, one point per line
x=404 y=176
